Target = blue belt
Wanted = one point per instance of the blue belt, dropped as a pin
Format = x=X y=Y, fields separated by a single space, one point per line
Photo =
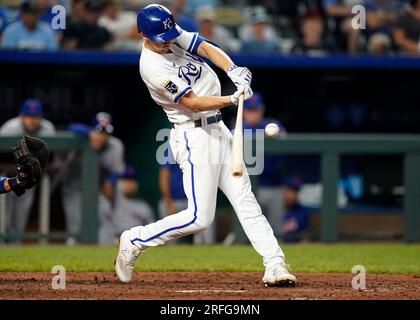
x=211 y=119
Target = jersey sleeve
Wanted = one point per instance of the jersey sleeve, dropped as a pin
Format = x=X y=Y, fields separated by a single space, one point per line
x=189 y=41
x=169 y=86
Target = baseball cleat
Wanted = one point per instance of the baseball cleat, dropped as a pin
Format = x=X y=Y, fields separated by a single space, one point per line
x=126 y=258
x=278 y=275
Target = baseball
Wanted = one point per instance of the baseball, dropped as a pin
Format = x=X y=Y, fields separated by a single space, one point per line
x=272 y=130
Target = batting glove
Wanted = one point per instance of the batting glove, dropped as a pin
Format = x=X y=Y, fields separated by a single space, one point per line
x=246 y=91
x=240 y=76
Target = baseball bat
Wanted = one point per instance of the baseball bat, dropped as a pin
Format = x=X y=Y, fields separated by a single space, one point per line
x=238 y=141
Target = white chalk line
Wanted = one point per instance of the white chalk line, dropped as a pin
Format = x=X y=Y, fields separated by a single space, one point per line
x=210 y=291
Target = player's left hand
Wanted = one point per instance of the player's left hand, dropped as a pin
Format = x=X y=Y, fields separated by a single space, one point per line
x=240 y=76
x=246 y=91
x=31 y=155
x=29 y=172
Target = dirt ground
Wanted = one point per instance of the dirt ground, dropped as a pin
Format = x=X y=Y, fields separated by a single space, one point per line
x=204 y=285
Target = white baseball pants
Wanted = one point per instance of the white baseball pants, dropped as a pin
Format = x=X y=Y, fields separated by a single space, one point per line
x=204 y=156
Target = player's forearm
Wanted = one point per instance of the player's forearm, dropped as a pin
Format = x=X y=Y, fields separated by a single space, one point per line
x=215 y=55
x=7 y=184
x=205 y=103
x=4 y=185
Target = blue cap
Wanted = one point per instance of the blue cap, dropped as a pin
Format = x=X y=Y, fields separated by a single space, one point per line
x=129 y=172
x=31 y=107
x=255 y=102
x=103 y=122
x=293 y=183
x=157 y=23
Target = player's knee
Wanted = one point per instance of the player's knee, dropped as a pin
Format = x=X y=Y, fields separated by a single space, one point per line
x=204 y=221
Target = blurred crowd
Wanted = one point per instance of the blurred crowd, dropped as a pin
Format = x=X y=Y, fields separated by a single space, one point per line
x=259 y=27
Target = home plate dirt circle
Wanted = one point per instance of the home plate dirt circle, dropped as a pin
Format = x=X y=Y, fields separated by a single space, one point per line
x=204 y=285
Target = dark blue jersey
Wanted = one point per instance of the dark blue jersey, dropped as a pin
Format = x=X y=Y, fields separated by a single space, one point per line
x=300 y=214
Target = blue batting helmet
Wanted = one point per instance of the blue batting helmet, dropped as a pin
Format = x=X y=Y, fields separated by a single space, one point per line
x=157 y=23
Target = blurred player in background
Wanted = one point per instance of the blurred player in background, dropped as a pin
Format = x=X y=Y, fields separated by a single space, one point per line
x=118 y=207
x=111 y=158
x=174 y=198
x=30 y=121
x=130 y=210
x=296 y=218
x=270 y=180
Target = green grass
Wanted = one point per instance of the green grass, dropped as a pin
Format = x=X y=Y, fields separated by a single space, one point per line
x=377 y=258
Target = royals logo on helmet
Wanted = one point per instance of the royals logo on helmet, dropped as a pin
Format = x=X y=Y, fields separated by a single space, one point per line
x=167 y=23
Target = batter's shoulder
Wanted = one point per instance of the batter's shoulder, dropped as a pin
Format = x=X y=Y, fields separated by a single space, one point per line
x=154 y=73
x=152 y=67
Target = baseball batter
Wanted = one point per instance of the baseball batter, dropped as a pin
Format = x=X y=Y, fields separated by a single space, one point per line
x=179 y=80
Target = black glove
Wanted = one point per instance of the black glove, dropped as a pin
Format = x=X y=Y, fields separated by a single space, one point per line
x=31 y=156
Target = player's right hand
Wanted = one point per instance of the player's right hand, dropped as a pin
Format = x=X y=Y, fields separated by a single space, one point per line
x=246 y=91
x=240 y=76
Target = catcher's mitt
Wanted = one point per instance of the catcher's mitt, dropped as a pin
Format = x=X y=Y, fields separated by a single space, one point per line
x=31 y=156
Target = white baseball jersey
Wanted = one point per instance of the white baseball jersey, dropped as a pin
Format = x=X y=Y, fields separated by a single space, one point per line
x=170 y=76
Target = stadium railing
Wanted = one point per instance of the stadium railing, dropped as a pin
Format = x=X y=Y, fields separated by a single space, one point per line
x=330 y=147
x=269 y=61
